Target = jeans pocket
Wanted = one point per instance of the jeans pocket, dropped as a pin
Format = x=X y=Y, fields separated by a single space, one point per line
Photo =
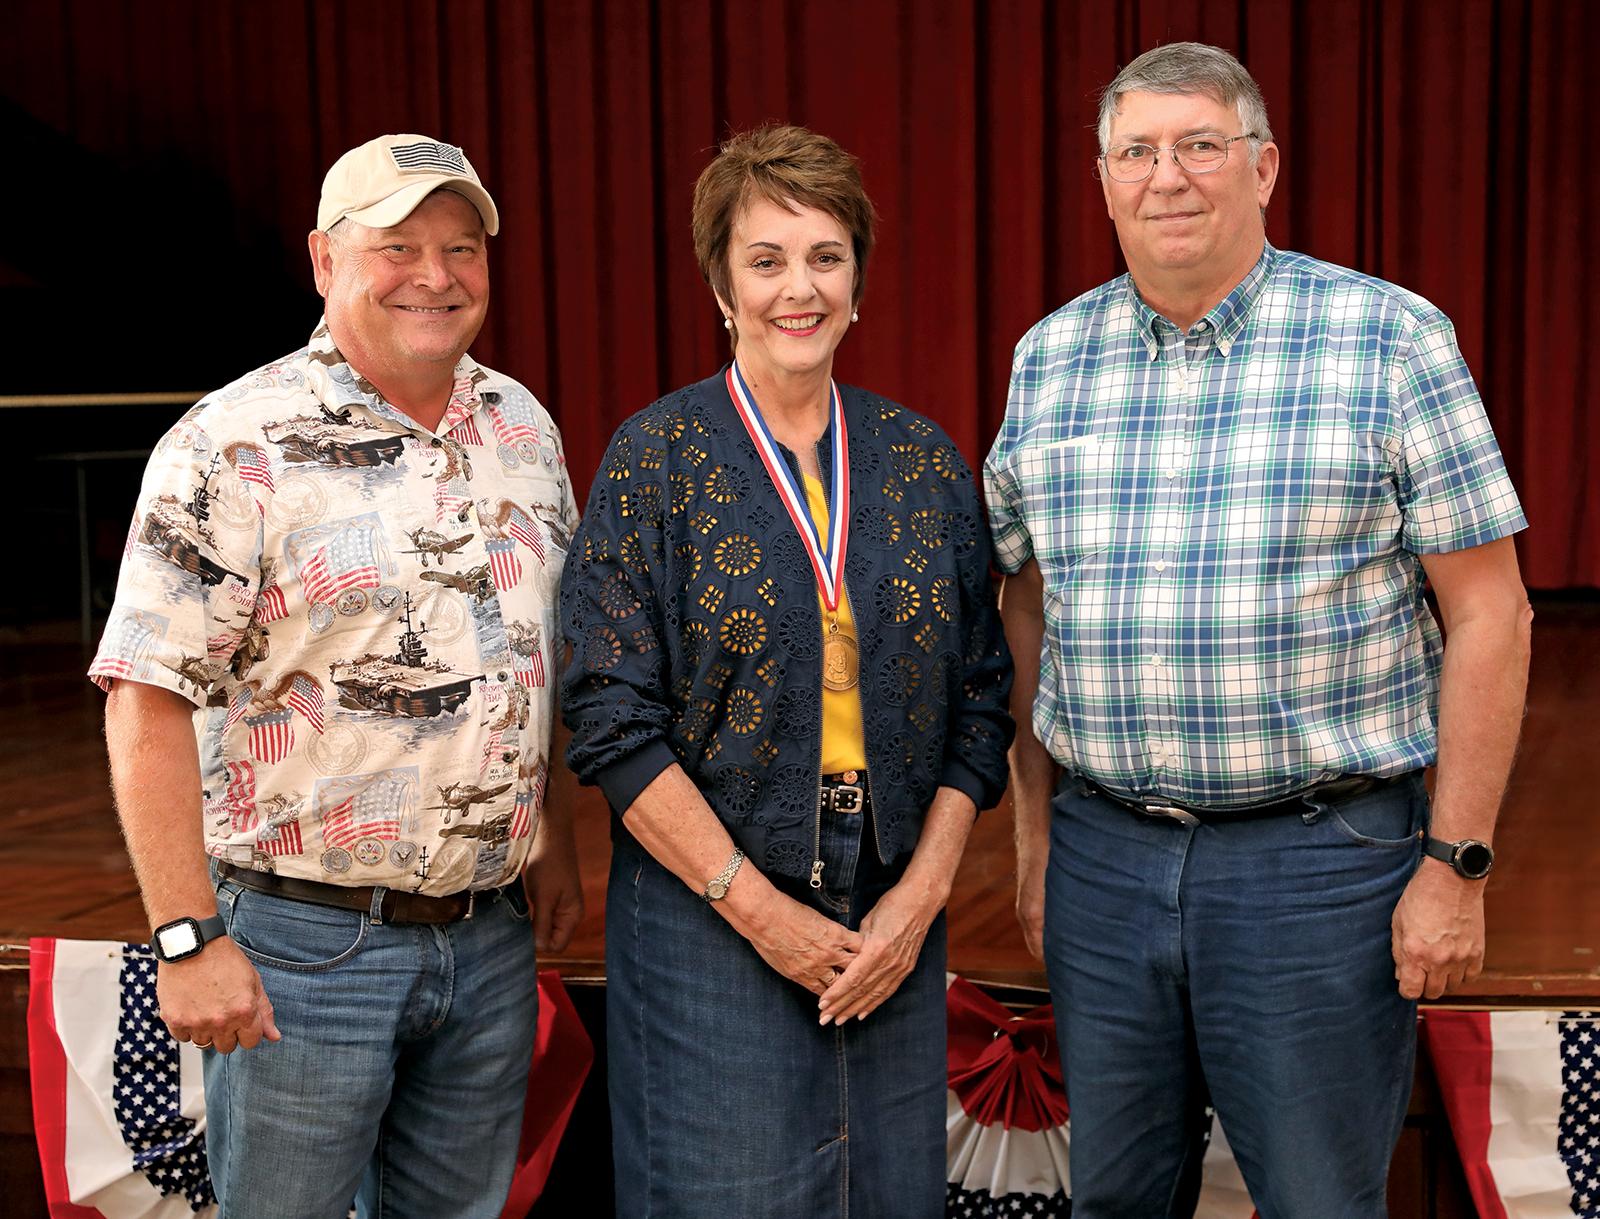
x=296 y=936
x=516 y=900
x=1389 y=818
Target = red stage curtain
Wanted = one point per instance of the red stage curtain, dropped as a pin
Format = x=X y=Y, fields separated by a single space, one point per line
x=1440 y=146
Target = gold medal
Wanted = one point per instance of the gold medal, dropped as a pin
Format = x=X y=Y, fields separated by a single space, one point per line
x=838 y=660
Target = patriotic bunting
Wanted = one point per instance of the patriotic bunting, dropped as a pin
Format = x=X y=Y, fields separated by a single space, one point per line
x=1522 y=1090
x=119 y=1106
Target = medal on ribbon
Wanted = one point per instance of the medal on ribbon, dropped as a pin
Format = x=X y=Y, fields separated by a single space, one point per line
x=826 y=554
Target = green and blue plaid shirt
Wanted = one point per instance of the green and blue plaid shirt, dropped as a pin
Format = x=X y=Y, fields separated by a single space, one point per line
x=1228 y=522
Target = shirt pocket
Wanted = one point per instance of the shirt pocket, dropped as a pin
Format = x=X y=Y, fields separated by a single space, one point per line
x=1069 y=491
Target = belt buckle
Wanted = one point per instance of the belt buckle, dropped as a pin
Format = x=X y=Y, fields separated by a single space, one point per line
x=1172 y=812
x=857 y=798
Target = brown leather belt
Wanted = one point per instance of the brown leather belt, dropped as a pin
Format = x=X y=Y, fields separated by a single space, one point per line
x=1344 y=788
x=397 y=906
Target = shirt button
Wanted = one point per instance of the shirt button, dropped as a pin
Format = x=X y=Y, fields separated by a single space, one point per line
x=1156 y=660
x=1161 y=565
x=1172 y=471
x=500 y=676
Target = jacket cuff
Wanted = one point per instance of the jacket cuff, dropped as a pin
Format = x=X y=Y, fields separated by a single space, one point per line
x=966 y=781
x=623 y=780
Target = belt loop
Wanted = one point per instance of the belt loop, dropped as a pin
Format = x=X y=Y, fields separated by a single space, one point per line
x=376 y=913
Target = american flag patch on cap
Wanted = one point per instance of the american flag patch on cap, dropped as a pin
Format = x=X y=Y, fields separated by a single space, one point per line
x=429 y=157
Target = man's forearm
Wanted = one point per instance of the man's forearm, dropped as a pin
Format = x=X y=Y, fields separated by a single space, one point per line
x=1482 y=691
x=155 y=774
x=1033 y=770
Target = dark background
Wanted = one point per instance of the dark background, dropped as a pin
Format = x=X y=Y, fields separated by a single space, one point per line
x=164 y=160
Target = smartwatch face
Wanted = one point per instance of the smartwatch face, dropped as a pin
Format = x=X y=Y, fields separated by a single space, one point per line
x=1473 y=859
x=180 y=940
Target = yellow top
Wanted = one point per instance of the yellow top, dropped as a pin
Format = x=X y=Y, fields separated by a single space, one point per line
x=844 y=742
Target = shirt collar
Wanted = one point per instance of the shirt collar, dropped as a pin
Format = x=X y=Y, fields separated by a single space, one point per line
x=1224 y=321
x=340 y=387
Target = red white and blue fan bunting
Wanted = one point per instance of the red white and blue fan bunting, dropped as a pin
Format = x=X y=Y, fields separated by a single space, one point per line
x=1007 y=1131
x=119 y=1106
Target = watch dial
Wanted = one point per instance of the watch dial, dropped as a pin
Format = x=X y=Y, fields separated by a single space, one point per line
x=175 y=941
x=1475 y=858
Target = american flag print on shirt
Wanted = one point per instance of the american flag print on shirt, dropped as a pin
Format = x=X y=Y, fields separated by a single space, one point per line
x=348 y=560
x=293 y=608
x=368 y=806
x=271 y=734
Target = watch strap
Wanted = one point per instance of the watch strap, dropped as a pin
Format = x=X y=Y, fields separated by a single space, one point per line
x=213 y=928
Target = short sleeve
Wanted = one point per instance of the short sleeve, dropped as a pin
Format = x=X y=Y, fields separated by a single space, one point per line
x=190 y=571
x=1002 y=494
x=1454 y=489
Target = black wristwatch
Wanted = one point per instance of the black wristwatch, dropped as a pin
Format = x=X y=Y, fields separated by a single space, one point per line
x=1469 y=857
x=183 y=938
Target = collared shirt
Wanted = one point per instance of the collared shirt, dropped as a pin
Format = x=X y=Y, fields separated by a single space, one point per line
x=363 y=612
x=1228 y=522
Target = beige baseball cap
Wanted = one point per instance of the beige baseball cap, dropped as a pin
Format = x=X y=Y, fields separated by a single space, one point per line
x=380 y=183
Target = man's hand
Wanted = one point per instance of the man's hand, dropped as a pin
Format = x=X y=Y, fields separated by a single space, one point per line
x=215 y=999
x=1030 y=898
x=553 y=884
x=1437 y=932
x=891 y=940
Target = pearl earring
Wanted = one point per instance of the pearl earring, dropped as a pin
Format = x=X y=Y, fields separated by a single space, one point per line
x=727 y=323
x=854 y=316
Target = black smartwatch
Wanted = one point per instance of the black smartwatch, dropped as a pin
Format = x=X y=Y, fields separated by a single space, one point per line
x=1469 y=857
x=183 y=938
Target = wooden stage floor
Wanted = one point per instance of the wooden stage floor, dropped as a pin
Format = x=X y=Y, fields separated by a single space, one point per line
x=63 y=871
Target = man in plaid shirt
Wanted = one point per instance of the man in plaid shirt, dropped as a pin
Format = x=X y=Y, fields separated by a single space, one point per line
x=1221 y=481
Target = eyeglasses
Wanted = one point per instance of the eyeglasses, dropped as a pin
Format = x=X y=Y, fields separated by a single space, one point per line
x=1195 y=154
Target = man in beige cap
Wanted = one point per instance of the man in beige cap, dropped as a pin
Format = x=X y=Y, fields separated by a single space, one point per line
x=327 y=667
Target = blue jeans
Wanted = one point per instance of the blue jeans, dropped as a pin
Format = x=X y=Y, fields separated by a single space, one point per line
x=727 y=1097
x=1246 y=964
x=400 y=1078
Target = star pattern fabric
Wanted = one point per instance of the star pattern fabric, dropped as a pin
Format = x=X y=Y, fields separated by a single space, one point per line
x=167 y=1147
x=1579 y=1141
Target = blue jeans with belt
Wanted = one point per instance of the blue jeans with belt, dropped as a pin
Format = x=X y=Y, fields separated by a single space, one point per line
x=400 y=1079
x=727 y=1097
x=1245 y=964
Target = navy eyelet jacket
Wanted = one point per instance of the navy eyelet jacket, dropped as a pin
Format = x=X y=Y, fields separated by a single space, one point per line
x=696 y=636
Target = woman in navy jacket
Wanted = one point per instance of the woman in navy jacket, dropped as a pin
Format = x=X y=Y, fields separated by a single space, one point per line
x=790 y=681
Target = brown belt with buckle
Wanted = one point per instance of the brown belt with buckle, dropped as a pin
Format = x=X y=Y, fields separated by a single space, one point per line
x=845 y=792
x=1343 y=788
x=397 y=905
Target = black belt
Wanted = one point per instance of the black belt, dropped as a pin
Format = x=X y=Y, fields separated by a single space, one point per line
x=397 y=906
x=1343 y=788
x=845 y=792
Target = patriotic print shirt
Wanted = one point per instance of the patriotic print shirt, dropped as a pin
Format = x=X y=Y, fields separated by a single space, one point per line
x=1228 y=522
x=362 y=611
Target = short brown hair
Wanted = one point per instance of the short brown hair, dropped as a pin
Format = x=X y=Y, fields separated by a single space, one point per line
x=786 y=165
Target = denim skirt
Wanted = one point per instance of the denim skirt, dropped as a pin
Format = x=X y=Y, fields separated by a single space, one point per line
x=727 y=1097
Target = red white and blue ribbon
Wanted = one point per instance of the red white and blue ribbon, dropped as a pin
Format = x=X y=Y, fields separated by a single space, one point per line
x=827 y=556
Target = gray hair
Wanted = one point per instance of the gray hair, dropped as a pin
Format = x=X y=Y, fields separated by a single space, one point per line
x=1191 y=67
